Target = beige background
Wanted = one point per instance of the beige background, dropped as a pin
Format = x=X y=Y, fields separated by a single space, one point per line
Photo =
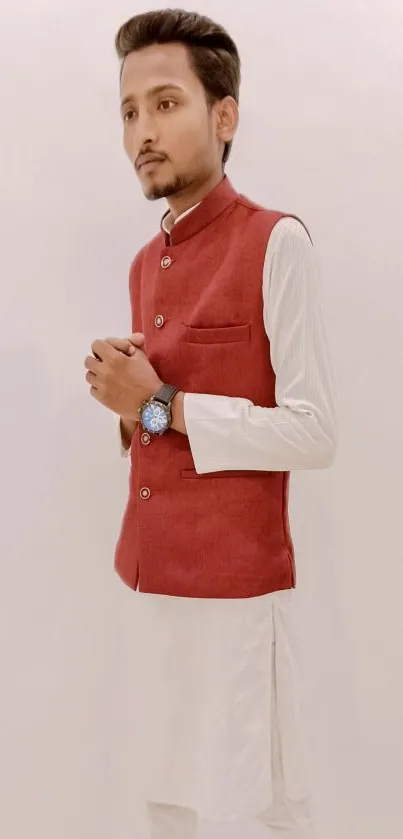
x=321 y=136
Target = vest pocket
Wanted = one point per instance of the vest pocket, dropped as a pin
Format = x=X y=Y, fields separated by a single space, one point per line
x=228 y=473
x=217 y=334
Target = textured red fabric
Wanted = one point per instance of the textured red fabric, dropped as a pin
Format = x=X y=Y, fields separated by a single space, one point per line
x=223 y=534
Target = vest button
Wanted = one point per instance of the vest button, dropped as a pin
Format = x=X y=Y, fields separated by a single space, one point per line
x=145 y=493
x=166 y=261
x=159 y=320
x=145 y=439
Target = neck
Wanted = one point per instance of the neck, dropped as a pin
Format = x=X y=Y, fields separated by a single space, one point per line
x=182 y=201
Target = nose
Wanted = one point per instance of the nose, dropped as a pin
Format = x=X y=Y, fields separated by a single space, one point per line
x=141 y=134
x=146 y=130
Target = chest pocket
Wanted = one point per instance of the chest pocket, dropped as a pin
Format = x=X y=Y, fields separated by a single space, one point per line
x=217 y=334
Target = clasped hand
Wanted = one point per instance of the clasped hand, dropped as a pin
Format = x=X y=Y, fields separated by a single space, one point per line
x=120 y=375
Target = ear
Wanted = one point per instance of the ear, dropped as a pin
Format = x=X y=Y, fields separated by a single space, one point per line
x=227 y=119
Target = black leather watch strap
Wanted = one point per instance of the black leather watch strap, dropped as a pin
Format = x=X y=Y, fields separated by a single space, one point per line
x=166 y=394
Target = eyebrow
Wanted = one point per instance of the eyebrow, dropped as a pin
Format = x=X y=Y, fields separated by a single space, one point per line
x=152 y=92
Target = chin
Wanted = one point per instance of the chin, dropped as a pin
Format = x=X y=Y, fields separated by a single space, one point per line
x=153 y=190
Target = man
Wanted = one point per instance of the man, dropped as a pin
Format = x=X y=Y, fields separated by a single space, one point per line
x=224 y=386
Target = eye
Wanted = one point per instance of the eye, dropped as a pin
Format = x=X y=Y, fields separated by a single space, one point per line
x=166 y=104
x=128 y=115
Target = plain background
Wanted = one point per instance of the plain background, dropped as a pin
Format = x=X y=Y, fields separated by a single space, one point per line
x=321 y=136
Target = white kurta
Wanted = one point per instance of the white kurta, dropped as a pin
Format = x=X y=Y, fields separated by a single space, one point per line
x=223 y=673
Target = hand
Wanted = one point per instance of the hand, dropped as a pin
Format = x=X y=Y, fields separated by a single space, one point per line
x=127 y=345
x=121 y=382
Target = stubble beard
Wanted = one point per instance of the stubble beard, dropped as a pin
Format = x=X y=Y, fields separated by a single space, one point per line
x=180 y=183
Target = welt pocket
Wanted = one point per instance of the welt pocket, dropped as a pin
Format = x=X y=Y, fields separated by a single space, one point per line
x=217 y=334
x=228 y=473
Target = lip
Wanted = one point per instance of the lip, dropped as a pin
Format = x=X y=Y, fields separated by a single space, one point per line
x=148 y=161
x=149 y=167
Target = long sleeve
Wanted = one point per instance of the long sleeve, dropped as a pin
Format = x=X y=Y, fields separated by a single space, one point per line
x=300 y=432
x=124 y=452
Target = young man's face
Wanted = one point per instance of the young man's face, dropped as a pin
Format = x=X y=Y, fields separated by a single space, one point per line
x=170 y=135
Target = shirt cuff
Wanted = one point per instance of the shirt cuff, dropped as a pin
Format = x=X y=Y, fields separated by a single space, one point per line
x=124 y=452
x=231 y=433
x=208 y=425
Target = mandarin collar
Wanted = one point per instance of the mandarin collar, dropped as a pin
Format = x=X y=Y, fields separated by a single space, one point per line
x=211 y=206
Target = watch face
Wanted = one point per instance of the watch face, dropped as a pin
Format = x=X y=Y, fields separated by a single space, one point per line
x=155 y=417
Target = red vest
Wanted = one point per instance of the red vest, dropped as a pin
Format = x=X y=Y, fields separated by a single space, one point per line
x=196 y=294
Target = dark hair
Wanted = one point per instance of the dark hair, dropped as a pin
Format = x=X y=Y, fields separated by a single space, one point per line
x=213 y=54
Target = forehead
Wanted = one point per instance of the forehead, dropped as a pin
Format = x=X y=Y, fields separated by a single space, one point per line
x=160 y=64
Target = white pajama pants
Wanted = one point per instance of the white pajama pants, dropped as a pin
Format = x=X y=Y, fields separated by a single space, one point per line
x=285 y=818
x=232 y=662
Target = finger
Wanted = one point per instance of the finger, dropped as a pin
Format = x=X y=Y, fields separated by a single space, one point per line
x=91 y=363
x=121 y=344
x=137 y=339
x=102 y=350
x=94 y=393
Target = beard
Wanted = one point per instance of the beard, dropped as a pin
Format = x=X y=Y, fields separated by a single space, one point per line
x=178 y=184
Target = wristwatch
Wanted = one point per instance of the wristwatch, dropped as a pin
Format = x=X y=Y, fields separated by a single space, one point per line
x=155 y=413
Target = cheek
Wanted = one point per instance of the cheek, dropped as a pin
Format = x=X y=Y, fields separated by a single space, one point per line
x=128 y=142
x=191 y=136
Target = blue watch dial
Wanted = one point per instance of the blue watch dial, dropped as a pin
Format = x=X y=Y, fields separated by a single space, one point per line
x=155 y=417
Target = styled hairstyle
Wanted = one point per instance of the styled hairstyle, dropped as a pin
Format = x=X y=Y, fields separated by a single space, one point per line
x=212 y=52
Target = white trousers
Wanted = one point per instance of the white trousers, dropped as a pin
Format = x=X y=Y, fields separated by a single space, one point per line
x=285 y=819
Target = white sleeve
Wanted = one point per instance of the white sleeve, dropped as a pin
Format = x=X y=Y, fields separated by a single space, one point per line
x=124 y=452
x=300 y=432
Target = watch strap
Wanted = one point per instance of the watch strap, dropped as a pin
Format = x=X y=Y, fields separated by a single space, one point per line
x=166 y=394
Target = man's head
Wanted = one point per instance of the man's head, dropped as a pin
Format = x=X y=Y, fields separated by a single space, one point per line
x=180 y=77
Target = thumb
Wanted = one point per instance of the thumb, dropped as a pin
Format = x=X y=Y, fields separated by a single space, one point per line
x=137 y=339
